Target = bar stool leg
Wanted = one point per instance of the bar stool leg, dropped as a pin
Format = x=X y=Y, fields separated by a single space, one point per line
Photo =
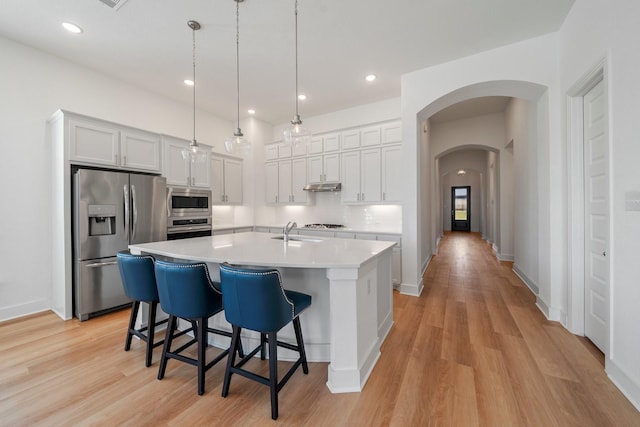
x=171 y=326
x=299 y=340
x=151 y=331
x=273 y=373
x=231 y=359
x=202 y=348
x=132 y=324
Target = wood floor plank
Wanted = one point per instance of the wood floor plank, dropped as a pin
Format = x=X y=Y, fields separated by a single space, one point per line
x=472 y=350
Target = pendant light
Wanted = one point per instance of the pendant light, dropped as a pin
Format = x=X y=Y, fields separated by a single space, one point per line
x=296 y=134
x=237 y=143
x=193 y=152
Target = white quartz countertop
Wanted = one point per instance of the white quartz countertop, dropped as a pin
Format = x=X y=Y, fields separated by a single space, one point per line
x=372 y=229
x=260 y=249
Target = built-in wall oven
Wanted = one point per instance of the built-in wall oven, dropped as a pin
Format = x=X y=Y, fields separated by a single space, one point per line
x=188 y=213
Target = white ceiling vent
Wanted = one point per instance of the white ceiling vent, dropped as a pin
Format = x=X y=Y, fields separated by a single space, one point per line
x=114 y=4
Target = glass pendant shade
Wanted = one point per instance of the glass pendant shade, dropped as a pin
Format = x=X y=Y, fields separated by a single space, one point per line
x=194 y=153
x=237 y=144
x=296 y=133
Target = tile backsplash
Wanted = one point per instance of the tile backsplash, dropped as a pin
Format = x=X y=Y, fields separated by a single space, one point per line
x=325 y=208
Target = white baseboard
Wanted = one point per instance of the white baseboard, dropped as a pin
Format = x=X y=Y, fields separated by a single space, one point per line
x=527 y=281
x=21 y=310
x=627 y=385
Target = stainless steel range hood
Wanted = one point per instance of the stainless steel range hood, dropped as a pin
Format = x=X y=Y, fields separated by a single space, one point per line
x=325 y=186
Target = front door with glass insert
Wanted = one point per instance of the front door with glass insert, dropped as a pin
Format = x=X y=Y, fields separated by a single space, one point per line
x=460 y=208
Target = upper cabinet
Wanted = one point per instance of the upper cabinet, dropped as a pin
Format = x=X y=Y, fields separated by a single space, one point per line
x=92 y=141
x=226 y=181
x=391 y=170
x=361 y=176
x=284 y=181
x=181 y=171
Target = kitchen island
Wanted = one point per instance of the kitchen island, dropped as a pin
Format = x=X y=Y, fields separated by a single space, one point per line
x=349 y=281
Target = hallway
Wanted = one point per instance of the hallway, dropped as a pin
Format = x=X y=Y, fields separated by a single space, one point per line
x=485 y=355
x=472 y=350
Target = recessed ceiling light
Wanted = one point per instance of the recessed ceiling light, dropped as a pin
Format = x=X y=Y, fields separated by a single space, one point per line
x=302 y=97
x=251 y=111
x=370 y=77
x=72 y=28
x=189 y=82
x=462 y=172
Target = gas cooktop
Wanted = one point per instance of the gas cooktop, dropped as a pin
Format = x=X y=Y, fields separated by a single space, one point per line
x=323 y=226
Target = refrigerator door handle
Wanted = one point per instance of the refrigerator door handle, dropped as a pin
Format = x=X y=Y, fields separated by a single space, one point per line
x=134 y=208
x=126 y=211
x=169 y=193
x=101 y=264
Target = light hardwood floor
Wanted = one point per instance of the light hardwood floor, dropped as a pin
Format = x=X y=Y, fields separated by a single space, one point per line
x=473 y=349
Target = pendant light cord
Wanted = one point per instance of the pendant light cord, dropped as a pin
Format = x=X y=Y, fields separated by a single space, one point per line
x=297 y=118
x=238 y=62
x=194 y=83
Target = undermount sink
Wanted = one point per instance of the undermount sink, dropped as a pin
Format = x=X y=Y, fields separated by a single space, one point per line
x=298 y=239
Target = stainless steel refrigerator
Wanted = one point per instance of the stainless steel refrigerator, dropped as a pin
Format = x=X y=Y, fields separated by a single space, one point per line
x=111 y=210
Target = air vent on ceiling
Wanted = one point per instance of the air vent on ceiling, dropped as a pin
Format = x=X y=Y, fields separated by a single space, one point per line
x=114 y=4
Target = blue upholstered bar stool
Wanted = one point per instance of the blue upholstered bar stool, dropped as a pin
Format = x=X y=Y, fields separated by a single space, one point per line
x=186 y=291
x=256 y=300
x=139 y=282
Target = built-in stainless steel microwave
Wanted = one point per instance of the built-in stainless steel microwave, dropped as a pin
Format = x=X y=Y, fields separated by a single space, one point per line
x=188 y=202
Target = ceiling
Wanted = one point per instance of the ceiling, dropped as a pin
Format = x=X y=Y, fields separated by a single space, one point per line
x=147 y=43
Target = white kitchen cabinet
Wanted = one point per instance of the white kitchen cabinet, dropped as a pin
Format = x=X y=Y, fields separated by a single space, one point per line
x=271 y=152
x=324 y=168
x=351 y=139
x=396 y=256
x=391 y=171
x=292 y=177
x=361 y=180
x=226 y=181
x=103 y=143
x=391 y=133
x=182 y=172
x=285 y=180
x=370 y=136
x=140 y=150
x=324 y=144
x=271 y=182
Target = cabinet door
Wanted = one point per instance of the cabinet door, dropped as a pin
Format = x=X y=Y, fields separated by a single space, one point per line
x=93 y=143
x=315 y=147
x=350 y=176
x=350 y=139
x=176 y=169
x=217 y=180
x=233 y=181
x=331 y=167
x=271 y=182
x=284 y=181
x=371 y=137
x=200 y=171
x=140 y=150
x=392 y=133
x=391 y=173
x=316 y=169
x=331 y=143
x=271 y=152
x=370 y=180
x=298 y=150
x=298 y=180
x=284 y=151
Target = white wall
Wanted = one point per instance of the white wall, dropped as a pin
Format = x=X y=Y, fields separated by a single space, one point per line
x=520 y=125
x=595 y=30
x=33 y=85
x=525 y=70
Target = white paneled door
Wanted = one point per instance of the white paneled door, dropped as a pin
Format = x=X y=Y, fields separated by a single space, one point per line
x=596 y=171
